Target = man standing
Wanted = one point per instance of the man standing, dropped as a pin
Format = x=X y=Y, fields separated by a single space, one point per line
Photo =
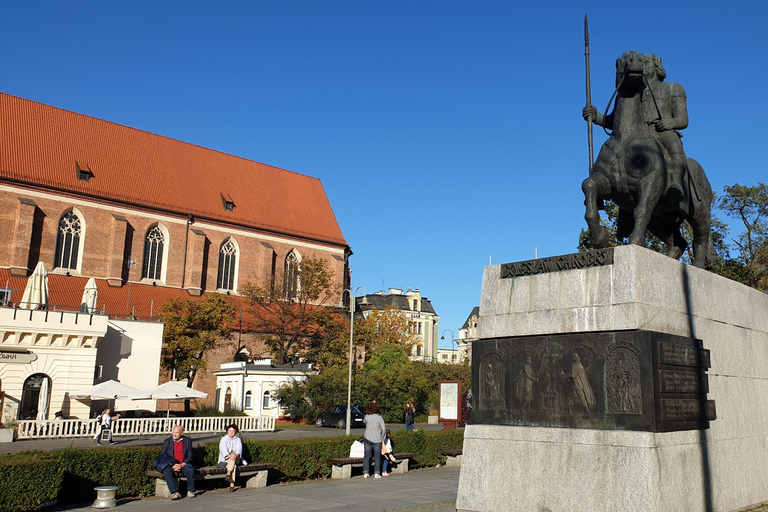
x=179 y=447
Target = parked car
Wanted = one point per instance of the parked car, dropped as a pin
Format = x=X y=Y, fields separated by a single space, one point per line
x=336 y=416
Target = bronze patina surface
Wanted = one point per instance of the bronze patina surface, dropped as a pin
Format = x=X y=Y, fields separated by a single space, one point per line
x=627 y=380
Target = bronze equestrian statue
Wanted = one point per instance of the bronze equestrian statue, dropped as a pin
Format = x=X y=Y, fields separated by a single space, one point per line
x=642 y=166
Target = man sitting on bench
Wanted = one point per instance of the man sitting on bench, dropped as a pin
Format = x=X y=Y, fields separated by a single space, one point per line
x=179 y=447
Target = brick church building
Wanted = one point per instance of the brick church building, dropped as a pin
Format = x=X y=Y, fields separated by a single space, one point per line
x=147 y=216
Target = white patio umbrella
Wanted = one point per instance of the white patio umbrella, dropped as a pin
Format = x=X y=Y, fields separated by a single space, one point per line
x=36 y=292
x=42 y=401
x=90 y=293
x=172 y=390
x=110 y=390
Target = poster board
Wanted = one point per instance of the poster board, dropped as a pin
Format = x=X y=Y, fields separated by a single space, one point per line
x=450 y=401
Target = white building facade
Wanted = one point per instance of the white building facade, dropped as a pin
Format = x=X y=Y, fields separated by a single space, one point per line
x=252 y=387
x=47 y=355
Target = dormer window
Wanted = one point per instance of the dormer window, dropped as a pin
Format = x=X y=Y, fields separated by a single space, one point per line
x=83 y=174
x=228 y=202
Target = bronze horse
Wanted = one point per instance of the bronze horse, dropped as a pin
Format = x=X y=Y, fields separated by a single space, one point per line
x=632 y=170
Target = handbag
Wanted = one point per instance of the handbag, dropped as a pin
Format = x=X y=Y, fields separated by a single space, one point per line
x=163 y=461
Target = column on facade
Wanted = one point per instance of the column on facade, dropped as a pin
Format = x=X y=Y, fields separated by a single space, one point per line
x=22 y=237
x=118 y=231
x=193 y=280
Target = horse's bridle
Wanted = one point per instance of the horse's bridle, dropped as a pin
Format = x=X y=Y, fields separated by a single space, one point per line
x=616 y=91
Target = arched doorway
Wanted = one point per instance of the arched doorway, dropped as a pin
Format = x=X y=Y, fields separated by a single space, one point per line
x=228 y=399
x=31 y=399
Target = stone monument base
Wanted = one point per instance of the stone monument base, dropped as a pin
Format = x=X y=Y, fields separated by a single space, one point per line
x=723 y=468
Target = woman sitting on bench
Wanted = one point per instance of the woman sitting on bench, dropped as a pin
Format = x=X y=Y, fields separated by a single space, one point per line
x=231 y=454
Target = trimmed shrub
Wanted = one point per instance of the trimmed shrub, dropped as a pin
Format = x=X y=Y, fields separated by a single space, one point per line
x=300 y=459
x=29 y=481
x=124 y=467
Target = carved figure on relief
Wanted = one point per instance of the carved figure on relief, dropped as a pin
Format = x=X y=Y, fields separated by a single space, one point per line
x=550 y=402
x=492 y=380
x=581 y=389
x=525 y=380
x=622 y=382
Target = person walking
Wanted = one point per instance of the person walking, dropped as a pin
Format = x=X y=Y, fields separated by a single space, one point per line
x=375 y=432
x=410 y=417
x=105 y=420
x=179 y=447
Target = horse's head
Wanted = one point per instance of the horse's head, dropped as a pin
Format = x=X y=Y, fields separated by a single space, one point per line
x=631 y=67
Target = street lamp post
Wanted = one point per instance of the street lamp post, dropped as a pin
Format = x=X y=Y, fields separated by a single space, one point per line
x=453 y=340
x=351 y=343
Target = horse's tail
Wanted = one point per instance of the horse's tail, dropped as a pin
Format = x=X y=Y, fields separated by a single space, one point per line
x=701 y=197
x=701 y=190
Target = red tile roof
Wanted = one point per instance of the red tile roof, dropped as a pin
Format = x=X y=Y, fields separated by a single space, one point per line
x=65 y=293
x=40 y=144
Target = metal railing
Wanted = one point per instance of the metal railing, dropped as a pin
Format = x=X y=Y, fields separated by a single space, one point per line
x=46 y=429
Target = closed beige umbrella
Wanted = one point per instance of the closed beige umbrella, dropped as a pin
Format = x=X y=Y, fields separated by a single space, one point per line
x=88 y=302
x=42 y=401
x=36 y=292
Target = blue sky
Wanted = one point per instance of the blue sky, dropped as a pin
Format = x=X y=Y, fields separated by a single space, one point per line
x=434 y=126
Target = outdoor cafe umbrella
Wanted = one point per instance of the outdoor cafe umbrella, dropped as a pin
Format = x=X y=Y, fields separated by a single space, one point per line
x=88 y=302
x=36 y=292
x=172 y=390
x=110 y=390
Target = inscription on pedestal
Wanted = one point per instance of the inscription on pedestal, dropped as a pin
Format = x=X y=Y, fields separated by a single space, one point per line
x=687 y=409
x=683 y=355
x=683 y=382
x=596 y=258
x=630 y=380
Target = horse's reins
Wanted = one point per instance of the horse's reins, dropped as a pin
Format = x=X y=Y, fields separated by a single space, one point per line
x=616 y=91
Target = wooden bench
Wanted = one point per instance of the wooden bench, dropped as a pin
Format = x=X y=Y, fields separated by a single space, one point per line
x=258 y=476
x=341 y=467
x=452 y=457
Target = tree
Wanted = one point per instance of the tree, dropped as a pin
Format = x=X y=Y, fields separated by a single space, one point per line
x=388 y=326
x=750 y=206
x=191 y=329
x=291 y=313
x=328 y=345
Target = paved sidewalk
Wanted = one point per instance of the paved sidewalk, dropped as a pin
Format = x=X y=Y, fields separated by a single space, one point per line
x=424 y=490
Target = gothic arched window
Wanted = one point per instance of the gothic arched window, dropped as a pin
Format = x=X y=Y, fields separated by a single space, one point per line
x=292 y=281
x=227 y=265
x=153 y=254
x=68 y=241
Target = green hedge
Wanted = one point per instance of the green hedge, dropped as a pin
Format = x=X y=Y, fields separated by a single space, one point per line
x=85 y=469
x=29 y=481
x=72 y=473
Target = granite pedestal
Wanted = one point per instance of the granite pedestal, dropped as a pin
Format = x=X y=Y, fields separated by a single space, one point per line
x=569 y=469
